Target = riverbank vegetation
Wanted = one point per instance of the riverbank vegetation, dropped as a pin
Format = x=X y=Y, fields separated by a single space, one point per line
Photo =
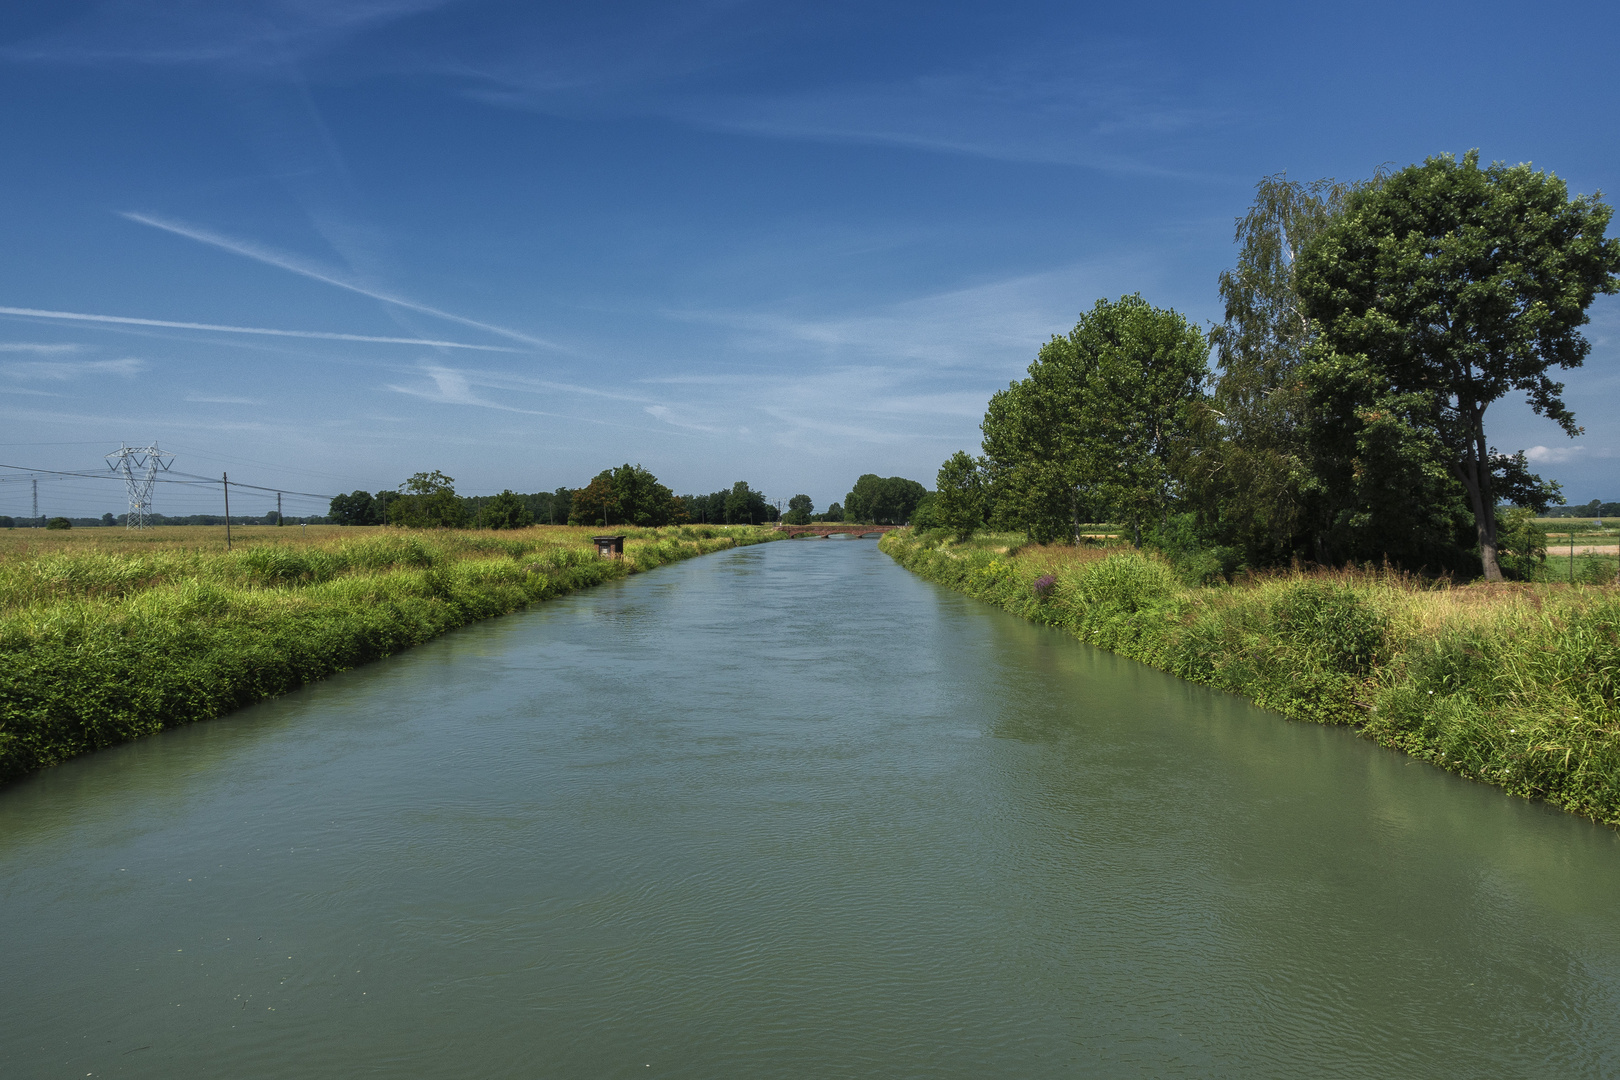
x=109 y=635
x=1368 y=328
x=1509 y=684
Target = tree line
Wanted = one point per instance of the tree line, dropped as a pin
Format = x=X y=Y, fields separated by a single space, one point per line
x=1368 y=327
x=626 y=495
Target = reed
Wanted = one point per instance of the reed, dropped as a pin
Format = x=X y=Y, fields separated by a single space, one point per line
x=105 y=640
x=1512 y=685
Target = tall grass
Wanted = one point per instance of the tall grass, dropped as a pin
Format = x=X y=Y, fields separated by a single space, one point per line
x=103 y=643
x=1513 y=685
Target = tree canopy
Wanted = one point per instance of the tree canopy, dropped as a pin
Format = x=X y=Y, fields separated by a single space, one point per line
x=959 y=502
x=1103 y=420
x=505 y=511
x=627 y=495
x=428 y=501
x=882 y=501
x=1441 y=290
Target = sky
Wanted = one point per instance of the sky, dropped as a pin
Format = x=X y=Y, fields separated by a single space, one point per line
x=326 y=244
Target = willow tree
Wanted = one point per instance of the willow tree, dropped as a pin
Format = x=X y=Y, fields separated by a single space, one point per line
x=1456 y=285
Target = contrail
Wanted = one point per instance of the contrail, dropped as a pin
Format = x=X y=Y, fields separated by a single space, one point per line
x=297 y=266
x=74 y=316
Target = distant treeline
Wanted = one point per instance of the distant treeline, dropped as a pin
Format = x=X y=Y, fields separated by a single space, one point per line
x=626 y=495
x=1593 y=509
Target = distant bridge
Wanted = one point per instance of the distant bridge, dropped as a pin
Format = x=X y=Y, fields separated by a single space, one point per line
x=826 y=530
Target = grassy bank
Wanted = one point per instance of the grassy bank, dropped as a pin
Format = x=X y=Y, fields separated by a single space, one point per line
x=106 y=636
x=1513 y=685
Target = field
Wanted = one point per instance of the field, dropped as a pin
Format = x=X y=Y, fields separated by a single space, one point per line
x=1515 y=684
x=107 y=635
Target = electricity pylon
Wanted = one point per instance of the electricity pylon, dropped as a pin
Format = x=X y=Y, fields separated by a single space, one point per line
x=139 y=466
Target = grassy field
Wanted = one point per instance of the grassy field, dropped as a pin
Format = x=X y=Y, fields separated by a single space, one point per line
x=107 y=635
x=1513 y=684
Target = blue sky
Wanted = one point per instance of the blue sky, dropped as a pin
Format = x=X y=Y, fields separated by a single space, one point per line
x=521 y=242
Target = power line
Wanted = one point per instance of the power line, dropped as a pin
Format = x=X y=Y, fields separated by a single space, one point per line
x=193 y=480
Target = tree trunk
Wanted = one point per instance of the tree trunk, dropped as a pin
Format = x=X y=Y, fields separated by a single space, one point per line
x=1476 y=477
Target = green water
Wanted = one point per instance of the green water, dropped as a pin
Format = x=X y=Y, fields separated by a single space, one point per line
x=789 y=812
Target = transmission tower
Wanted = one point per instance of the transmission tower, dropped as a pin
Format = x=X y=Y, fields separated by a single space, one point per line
x=139 y=466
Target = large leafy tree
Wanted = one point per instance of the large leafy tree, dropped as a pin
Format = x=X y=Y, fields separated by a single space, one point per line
x=597 y=503
x=959 y=499
x=1455 y=285
x=883 y=500
x=745 y=506
x=1103 y=422
x=642 y=499
x=800 y=507
x=428 y=501
x=355 y=508
x=627 y=495
x=506 y=511
x=1258 y=463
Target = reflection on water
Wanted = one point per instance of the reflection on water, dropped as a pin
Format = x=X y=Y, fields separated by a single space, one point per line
x=789 y=812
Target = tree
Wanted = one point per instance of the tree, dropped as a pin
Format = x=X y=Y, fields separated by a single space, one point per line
x=382 y=507
x=835 y=512
x=1257 y=459
x=745 y=506
x=596 y=503
x=959 y=504
x=59 y=523
x=506 y=511
x=627 y=495
x=1103 y=421
x=642 y=500
x=108 y=521
x=1455 y=285
x=560 y=506
x=926 y=514
x=355 y=508
x=800 y=507
x=428 y=501
x=882 y=501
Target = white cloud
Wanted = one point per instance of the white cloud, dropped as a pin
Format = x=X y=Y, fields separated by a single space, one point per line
x=451 y=386
x=64 y=370
x=38 y=348
x=319 y=335
x=293 y=264
x=1557 y=455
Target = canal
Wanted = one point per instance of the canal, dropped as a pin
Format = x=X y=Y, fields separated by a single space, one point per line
x=789 y=811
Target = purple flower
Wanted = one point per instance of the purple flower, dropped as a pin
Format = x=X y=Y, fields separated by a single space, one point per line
x=1044 y=586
